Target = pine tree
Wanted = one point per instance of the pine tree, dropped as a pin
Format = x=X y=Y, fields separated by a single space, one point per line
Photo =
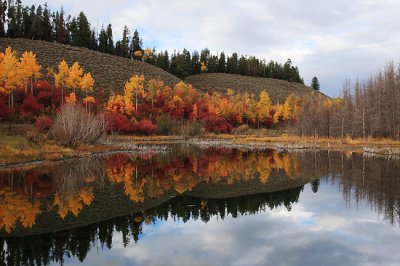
x=110 y=41
x=61 y=32
x=27 y=20
x=46 y=25
x=136 y=45
x=315 y=83
x=232 y=64
x=221 y=63
x=12 y=23
x=36 y=31
x=125 y=42
x=103 y=47
x=83 y=31
x=196 y=66
x=3 y=10
x=93 y=41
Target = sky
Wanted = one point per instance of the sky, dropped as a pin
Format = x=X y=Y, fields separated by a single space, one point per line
x=332 y=40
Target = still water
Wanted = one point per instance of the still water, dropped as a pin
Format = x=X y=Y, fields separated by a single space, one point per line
x=203 y=206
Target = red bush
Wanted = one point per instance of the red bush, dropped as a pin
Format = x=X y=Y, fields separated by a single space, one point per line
x=147 y=127
x=30 y=106
x=218 y=125
x=43 y=123
x=116 y=122
x=5 y=112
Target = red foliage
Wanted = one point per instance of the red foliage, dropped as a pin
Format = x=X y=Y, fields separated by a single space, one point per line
x=5 y=112
x=45 y=92
x=43 y=123
x=147 y=127
x=217 y=124
x=30 y=106
x=116 y=122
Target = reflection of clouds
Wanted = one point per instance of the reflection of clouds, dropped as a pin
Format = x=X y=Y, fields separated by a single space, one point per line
x=320 y=230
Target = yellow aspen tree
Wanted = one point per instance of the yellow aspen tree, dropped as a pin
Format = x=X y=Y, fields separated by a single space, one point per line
x=29 y=68
x=136 y=85
x=87 y=101
x=153 y=87
x=60 y=78
x=71 y=98
x=10 y=75
x=75 y=76
x=263 y=106
x=203 y=67
x=87 y=83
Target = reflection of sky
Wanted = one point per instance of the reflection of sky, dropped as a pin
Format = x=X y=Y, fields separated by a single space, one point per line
x=319 y=230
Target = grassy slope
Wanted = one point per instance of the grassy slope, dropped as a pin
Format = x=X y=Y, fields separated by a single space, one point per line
x=110 y=72
x=278 y=90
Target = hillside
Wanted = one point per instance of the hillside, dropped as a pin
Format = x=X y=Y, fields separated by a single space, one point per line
x=278 y=90
x=110 y=72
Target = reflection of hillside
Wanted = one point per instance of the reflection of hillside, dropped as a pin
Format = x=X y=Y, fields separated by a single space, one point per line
x=46 y=248
x=75 y=188
x=74 y=193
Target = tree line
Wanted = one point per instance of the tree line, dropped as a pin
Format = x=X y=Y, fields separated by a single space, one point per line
x=40 y=23
x=366 y=109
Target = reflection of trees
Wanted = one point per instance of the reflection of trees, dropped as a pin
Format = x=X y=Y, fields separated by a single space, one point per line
x=375 y=180
x=43 y=249
x=154 y=176
x=68 y=183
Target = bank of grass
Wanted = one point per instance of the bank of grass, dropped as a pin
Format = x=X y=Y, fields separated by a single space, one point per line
x=272 y=139
x=17 y=149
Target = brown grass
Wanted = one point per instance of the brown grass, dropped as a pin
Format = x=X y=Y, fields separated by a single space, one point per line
x=109 y=72
x=278 y=90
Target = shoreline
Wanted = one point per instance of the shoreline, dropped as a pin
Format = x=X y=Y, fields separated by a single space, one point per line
x=125 y=143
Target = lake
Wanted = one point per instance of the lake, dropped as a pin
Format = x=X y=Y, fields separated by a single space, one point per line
x=192 y=205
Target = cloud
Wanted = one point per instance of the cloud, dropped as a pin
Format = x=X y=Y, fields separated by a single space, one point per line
x=332 y=40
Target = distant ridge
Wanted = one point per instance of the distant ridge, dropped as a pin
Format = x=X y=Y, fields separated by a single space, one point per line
x=278 y=90
x=110 y=72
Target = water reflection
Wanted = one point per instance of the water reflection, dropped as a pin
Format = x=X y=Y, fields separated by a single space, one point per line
x=87 y=201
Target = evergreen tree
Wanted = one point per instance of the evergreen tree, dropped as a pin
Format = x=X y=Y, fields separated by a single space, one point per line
x=3 y=10
x=212 y=65
x=232 y=64
x=315 y=83
x=46 y=25
x=61 y=32
x=72 y=28
x=36 y=31
x=12 y=23
x=93 y=41
x=28 y=14
x=162 y=60
x=125 y=42
x=110 y=41
x=103 y=46
x=196 y=67
x=222 y=63
x=83 y=31
x=204 y=56
x=243 y=66
x=136 y=45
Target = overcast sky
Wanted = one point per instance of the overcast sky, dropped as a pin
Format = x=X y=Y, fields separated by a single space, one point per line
x=332 y=40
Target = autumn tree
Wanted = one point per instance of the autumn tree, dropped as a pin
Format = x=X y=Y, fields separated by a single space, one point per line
x=10 y=76
x=61 y=77
x=74 y=77
x=263 y=107
x=29 y=68
x=135 y=85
